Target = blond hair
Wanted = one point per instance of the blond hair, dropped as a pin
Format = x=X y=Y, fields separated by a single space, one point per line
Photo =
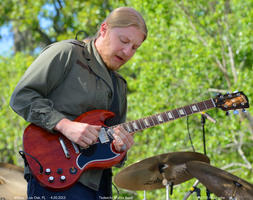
x=124 y=17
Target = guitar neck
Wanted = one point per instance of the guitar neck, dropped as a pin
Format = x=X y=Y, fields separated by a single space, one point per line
x=160 y=118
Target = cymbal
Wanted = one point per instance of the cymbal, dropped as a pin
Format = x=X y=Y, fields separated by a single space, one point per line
x=146 y=175
x=12 y=182
x=220 y=182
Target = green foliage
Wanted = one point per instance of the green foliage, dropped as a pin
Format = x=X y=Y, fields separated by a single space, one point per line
x=11 y=125
x=186 y=58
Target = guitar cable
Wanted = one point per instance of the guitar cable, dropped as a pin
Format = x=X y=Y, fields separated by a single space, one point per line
x=116 y=190
x=22 y=153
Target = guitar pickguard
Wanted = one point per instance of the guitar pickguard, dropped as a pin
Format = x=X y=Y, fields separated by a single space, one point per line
x=101 y=153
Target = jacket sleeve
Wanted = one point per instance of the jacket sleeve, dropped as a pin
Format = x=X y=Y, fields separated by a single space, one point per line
x=30 y=97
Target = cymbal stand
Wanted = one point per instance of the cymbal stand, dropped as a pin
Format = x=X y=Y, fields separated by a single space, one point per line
x=193 y=189
x=144 y=195
x=165 y=182
x=237 y=185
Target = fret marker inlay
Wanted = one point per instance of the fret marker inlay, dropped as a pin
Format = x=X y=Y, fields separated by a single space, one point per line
x=194 y=108
x=160 y=119
x=181 y=112
x=135 y=126
x=170 y=115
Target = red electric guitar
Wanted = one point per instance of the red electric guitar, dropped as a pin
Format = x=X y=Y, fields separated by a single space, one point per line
x=58 y=163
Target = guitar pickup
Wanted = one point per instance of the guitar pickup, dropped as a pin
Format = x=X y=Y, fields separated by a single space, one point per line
x=75 y=148
x=64 y=148
x=103 y=137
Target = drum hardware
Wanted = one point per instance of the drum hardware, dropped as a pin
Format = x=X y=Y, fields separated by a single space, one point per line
x=165 y=170
x=145 y=174
x=165 y=182
x=144 y=195
x=192 y=190
x=223 y=184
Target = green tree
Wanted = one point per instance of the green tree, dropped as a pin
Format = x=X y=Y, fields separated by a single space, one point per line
x=40 y=23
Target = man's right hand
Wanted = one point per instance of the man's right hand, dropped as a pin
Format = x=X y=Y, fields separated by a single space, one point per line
x=80 y=133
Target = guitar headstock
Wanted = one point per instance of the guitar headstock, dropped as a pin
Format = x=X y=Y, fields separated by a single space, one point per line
x=233 y=101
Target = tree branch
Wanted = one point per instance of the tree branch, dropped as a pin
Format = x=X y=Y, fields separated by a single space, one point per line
x=216 y=59
x=240 y=151
x=44 y=36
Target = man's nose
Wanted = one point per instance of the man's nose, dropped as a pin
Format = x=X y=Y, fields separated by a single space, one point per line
x=128 y=51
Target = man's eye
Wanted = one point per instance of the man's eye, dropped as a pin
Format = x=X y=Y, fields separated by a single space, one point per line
x=124 y=41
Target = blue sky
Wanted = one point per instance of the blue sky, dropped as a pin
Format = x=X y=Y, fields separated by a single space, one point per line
x=6 y=42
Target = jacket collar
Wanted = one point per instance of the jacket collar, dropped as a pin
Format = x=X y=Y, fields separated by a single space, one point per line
x=96 y=63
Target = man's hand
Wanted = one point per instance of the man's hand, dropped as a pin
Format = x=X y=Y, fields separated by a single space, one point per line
x=122 y=139
x=80 y=133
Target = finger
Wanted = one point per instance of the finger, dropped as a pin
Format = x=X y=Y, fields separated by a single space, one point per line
x=118 y=144
x=127 y=135
x=94 y=130
x=121 y=139
x=87 y=140
x=96 y=127
x=118 y=139
x=91 y=136
x=83 y=144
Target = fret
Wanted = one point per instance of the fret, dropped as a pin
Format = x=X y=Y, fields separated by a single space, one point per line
x=151 y=121
x=165 y=118
x=128 y=127
x=201 y=106
x=154 y=119
x=188 y=110
x=160 y=119
x=131 y=126
x=175 y=113
x=194 y=108
x=124 y=126
x=142 y=124
x=209 y=103
x=146 y=122
x=170 y=115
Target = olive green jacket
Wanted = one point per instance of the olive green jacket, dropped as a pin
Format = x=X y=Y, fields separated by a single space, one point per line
x=65 y=81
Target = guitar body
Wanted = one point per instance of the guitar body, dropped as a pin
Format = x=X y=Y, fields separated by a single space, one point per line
x=47 y=149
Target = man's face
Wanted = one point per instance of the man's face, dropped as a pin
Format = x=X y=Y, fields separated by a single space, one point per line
x=118 y=45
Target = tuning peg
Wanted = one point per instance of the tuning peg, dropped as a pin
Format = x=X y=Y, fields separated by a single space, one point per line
x=243 y=110
x=235 y=91
x=236 y=112
x=227 y=113
x=219 y=95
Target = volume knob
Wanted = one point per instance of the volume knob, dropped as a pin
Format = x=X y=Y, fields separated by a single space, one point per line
x=62 y=178
x=50 y=179
x=48 y=171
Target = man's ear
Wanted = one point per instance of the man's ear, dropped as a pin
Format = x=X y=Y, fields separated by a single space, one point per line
x=103 y=29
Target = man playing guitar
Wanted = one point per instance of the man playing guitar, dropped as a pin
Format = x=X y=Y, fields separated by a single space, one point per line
x=72 y=77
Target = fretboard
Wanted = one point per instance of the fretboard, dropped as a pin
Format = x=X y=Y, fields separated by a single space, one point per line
x=160 y=118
